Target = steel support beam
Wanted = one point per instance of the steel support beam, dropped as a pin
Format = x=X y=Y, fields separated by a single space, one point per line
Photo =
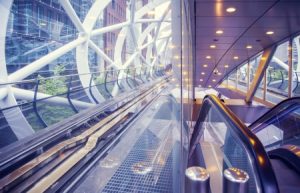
x=109 y=28
x=72 y=15
x=263 y=64
x=101 y=53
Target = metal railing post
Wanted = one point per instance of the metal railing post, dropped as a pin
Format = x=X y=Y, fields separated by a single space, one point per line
x=105 y=85
x=235 y=181
x=118 y=83
x=41 y=120
x=141 y=75
x=68 y=96
x=197 y=180
x=90 y=89
x=127 y=78
x=297 y=82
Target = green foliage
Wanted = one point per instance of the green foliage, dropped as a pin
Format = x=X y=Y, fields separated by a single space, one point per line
x=51 y=113
x=55 y=85
x=54 y=113
x=99 y=79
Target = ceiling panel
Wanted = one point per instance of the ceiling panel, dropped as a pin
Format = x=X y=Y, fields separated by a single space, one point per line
x=227 y=32
x=223 y=22
x=244 y=8
x=247 y=26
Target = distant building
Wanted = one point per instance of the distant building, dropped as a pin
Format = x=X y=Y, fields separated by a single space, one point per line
x=114 y=13
x=37 y=27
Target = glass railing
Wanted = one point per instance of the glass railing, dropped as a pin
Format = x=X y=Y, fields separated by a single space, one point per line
x=47 y=99
x=225 y=142
x=277 y=81
x=280 y=125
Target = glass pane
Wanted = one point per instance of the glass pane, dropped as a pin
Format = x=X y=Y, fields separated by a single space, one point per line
x=254 y=62
x=53 y=113
x=229 y=151
x=277 y=87
x=242 y=78
x=259 y=93
x=7 y=136
x=284 y=128
x=36 y=28
x=232 y=79
x=296 y=67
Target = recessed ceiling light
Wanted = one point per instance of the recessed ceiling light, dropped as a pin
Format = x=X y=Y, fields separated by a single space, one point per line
x=231 y=9
x=269 y=32
x=236 y=57
x=212 y=46
x=205 y=65
x=249 y=47
x=184 y=72
x=219 y=32
x=203 y=73
x=209 y=86
x=208 y=57
x=219 y=73
x=201 y=80
x=214 y=80
x=226 y=66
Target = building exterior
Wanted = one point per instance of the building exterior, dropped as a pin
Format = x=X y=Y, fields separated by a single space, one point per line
x=114 y=13
x=36 y=28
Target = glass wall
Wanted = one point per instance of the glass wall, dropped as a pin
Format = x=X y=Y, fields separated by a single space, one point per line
x=242 y=77
x=277 y=73
x=62 y=58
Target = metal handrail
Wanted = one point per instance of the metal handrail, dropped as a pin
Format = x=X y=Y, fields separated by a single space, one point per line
x=68 y=90
x=296 y=73
x=252 y=144
x=282 y=79
x=52 y=77
x=279 y=110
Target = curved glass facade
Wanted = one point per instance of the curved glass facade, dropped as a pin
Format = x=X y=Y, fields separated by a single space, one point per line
x=62 y=57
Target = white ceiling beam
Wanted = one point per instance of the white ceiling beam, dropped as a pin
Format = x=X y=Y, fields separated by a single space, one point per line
x=151 y=21
x=72 y=15
x=132 y=23
x=131 y=59
x=152 y=42
x=101 y=53
x=110 y=28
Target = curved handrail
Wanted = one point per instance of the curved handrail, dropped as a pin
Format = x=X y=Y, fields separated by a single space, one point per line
x=252 y=144
x=297 y=78
x=280 y=109
x=282 y=79
x=60 y=76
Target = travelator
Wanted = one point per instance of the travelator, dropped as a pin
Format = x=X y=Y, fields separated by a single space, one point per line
x=141 y=146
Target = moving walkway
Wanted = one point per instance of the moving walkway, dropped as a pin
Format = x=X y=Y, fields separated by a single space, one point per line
x=50 y=162
x=141 y=146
